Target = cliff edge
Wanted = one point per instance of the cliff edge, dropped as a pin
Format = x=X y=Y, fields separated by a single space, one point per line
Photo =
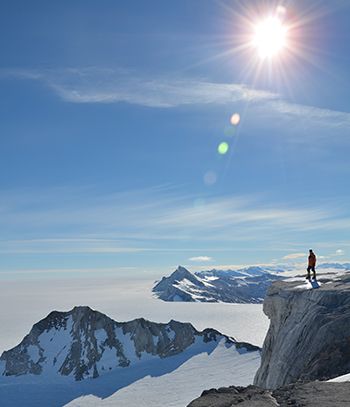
x=309 y=334
x=313 y=394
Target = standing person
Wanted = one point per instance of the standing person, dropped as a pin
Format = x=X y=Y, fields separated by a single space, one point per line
x=311 y=265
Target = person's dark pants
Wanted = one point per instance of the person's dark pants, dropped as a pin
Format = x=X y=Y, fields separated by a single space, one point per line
x=313 y=270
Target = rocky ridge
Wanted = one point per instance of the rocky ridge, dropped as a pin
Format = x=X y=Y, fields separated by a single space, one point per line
x=84 y=343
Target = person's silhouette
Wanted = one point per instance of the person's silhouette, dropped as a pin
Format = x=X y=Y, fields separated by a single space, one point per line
x=311 y=265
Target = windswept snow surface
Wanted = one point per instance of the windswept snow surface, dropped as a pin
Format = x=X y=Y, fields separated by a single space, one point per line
x=222 y=367
x=308 y=285
x=170 y=382
x=344 y=378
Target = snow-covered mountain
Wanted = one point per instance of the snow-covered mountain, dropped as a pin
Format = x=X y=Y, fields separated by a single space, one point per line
x=85 y=353
x=336 y=266
x=83 y=343
x=245 y=285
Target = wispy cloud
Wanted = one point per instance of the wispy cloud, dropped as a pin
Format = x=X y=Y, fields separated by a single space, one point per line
x=200 y=259
x=294 y=256
x=148 y=220
x=96 y=85
x=56 y=247
x=92 y=85
x=328 y=117
x=71 y=271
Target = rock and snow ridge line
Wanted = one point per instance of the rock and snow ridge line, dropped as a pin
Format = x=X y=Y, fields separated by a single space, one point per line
x=246 y=285
x=83 y=343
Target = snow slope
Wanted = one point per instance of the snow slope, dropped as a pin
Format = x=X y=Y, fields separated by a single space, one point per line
x=220 y=368
x=84 y=352
x=170 y=382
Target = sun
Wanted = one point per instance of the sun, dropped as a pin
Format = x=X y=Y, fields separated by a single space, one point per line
x=270 y=37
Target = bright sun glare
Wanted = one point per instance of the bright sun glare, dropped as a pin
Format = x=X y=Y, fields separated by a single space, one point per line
x=270 y=37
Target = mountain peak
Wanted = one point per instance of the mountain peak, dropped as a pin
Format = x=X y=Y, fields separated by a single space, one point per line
x=83 y=343
x=182 y=271
x=181 y=268
x=175 y=286
x=81 y=309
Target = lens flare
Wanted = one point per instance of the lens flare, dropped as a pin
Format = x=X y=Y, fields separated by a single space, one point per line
x=223 y=148
x=235 y=119
x=229 y=131
x=210 y=178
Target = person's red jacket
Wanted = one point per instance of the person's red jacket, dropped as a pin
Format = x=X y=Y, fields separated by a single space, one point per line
x=312 y=260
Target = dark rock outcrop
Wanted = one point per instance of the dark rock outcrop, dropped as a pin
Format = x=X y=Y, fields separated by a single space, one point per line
x=313 y=394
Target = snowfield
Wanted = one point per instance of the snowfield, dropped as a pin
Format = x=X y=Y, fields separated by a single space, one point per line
x=171 y=382
x=24 y=303
x=222 y=367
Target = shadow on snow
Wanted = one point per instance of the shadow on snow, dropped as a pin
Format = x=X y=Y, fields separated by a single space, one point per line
x=36 y=391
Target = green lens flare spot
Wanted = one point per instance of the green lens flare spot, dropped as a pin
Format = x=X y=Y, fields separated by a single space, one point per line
x=223 y=148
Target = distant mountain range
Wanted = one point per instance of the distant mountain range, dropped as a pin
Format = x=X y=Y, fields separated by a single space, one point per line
x=246 y=285
x=336 y=266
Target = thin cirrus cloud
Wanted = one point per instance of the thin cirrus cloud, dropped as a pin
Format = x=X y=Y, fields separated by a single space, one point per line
x=139 y=209
x=142 y=221
x=93 y=85
x=201 y=259
x=294 y=256
x=96 y=85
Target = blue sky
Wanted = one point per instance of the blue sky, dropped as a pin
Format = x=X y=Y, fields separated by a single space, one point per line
x=111 y=116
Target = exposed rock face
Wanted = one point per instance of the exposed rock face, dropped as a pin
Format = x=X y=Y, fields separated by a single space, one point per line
x=314 y=394
x=309 y=334
x=83 y=343
x=247 y=285
x=171 y=289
